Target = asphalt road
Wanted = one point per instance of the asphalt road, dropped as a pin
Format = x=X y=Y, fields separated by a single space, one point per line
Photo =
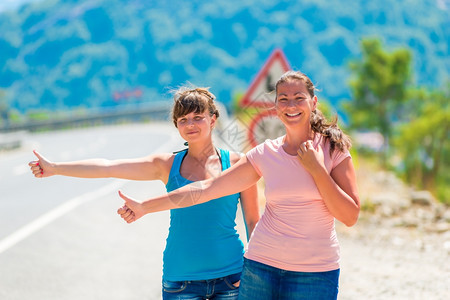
x=60 y=237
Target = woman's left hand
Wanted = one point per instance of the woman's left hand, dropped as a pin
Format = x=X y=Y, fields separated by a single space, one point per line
x=312 y=159
x=131 y=210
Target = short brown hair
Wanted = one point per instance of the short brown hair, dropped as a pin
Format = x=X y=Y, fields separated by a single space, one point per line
x=197 y=100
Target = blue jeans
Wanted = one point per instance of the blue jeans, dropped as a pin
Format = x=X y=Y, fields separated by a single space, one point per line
x=219 y=288
x=262 y=282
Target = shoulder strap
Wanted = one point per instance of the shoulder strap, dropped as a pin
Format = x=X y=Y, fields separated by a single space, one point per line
x=175 y=169
x=225 y=159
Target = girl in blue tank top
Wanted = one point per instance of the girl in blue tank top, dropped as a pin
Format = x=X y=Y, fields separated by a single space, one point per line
x=203 y=257
x=202 y=242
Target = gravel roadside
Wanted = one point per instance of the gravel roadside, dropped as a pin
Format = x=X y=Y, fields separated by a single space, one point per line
x=393 y=263
x=400 y=247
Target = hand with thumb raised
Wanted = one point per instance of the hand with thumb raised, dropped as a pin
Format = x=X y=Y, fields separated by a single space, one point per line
x=41 y=167
x=131 y=210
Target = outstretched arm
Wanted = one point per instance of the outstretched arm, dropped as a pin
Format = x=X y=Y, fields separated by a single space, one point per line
x=152 y=167
x=239 y=177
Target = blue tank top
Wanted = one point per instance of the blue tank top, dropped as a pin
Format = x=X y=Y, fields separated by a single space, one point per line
x=202 y=242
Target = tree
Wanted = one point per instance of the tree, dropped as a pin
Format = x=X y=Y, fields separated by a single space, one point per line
x=423 y=142
x=379 y=87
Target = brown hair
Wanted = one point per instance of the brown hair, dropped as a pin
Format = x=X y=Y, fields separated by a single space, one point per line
x=197 y=100
x=319 y=124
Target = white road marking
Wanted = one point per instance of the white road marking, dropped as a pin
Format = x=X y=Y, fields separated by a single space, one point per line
x=64 y=208
x=57 y=212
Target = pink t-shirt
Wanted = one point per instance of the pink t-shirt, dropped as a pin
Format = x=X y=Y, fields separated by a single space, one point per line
x=296 y=231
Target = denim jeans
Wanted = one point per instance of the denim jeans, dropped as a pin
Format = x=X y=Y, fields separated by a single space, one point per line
x=219 y=288
x=262 y=282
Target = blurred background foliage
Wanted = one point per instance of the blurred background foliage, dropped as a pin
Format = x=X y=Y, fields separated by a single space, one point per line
x=413 y=120
x=61 y=54
x=383 y=66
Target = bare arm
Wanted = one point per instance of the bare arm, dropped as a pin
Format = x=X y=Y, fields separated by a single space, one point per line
x=250 y=208
x=338 y=189
x=152 y=167
x=249 y=201
x=339 y=192
x=239 y=177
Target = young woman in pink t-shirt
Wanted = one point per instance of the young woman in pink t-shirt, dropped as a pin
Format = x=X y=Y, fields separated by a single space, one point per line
x=310 y=181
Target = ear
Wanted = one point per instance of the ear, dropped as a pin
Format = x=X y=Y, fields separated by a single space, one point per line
x=213 y=120
x=314 y=99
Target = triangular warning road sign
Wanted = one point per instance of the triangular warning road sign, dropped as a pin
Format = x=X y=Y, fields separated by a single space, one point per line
x=260 y=92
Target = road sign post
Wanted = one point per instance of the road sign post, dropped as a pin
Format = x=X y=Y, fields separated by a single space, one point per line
x=259 y=100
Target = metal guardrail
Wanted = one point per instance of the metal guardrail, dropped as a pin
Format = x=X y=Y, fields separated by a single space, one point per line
x=156 y=112
x=11 y=135
x=10 y=141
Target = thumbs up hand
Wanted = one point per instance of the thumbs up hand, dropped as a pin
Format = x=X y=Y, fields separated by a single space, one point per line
x=41 y=167
x=131 y=210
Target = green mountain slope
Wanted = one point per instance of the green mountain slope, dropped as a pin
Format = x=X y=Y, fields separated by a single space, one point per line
x=62 y=54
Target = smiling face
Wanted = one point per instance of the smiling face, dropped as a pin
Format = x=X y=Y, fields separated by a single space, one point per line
x=294 y=103
x=196 y=126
